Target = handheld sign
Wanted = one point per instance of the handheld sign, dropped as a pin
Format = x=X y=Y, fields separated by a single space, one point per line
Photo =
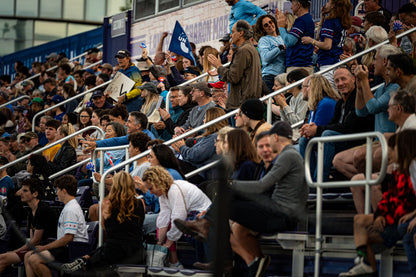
x=120 y=85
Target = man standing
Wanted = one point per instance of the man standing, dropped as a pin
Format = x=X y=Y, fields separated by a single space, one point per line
x=298 y=54
x=244 y=73
x=71 y=227
x=41 y=219
x=132 y=99
x=243 y=10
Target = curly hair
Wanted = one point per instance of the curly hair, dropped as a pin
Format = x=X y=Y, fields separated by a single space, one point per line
x=122 y=196
x=259 y=30
x=159 y=178
x=119 y=110
x=211 y=114
x=341 y=10
x=319 y=88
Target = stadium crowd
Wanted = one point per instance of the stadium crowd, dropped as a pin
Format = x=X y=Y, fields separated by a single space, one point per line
x=267 y=188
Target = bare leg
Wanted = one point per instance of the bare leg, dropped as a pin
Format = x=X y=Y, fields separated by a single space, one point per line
x=28 y=267
x=343 y=162
x=93 y=212
x=376 y=194
x=244 y=243
x=360 y=158
x=7 y=259
x=173 y=257
x=358 y=194
x=38 y=264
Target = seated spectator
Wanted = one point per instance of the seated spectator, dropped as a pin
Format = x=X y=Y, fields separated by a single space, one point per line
x=401 y=70
x=71 y=118
x=219 y=141
x=237 y=145
x=251 y=118
x=367 y=103
x=41 y=219
x=203 y=150
x=271 y=49
x=6 y=183
x=374 y=35
x=162 y=155
x=96 y=121
x=71 y=227
x=201 y=94
x=186 y=103
x=40 y=130
x=177 y=199
x=38 y=168
x=84 y=121
x=280 y=81
x=219 y=93
x=59 y=111
x=406 y=15
x=118 y=114
x=151 y=96
x=66 y=156
x=296 y=110
x=322 y=99
x=111 y=158
x=381 y=227
x=344 y=121
x=123 y=215
x=265 y=153
x=251 y=210
x=51 y=135
x=69 y=92
x=375 y=6
x=375 y=19
x=99 y=101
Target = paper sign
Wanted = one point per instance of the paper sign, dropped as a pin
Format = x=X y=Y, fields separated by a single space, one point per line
x=120 y=85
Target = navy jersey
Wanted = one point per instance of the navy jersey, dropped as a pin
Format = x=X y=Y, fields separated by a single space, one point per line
x=300 y=55
x=332 y=29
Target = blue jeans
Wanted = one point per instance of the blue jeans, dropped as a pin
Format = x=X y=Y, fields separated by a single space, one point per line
x=330 y=150
x=269 y=80
x=409 y=245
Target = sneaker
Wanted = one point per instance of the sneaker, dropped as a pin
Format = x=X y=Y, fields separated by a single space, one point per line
x=178 y=265
x=74 y=266
x=259 y=267
x=360 y=269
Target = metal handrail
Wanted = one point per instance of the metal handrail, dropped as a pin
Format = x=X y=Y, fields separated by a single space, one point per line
x=228 y=115
x=319 y=184
x=55 y=66
x=66 y=101
x=105 y=149
x=72 y=167
x=14 y=100
x=201 y=169
x=51 y=145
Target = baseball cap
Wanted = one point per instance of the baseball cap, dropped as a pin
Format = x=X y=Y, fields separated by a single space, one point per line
x=219 y=84
x=150 y=86
x=106 y=65
x=191 y=71
x=281 y=128
x=202 y=86
x=356 y=21
x=37 y=100
x=97 y=93
x=226 y=37
x=30 y=135
x=28 y=82
x=52 y=55
x=57 y=99
x=89 y=70
x=123 y=54
x=253 y=109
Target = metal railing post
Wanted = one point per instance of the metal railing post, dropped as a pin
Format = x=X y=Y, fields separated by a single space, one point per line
x=368 y=174
x=269 y=110
x=15 y=100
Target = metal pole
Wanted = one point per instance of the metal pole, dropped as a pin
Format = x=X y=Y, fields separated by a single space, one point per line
x=14 y=100
x=269 y=110
x=167 y=100
x=368 y=173
x=319 y=180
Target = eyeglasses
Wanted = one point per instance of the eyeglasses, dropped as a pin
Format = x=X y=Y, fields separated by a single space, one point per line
x=84 y=116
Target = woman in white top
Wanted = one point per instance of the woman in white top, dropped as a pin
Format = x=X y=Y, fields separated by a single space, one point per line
x=177 y=199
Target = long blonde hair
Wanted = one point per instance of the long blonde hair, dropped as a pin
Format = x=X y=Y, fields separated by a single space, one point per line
x=207 y=66
x=148 y=101
x=319 y=88
x=122 y=196
x=66 y=130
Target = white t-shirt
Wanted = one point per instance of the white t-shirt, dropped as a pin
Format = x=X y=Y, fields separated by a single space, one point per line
x=412 y=171
x=72 y=221
x=409 y=124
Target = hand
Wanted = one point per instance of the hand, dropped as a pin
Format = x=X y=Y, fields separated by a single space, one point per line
x=280 y=100
x=201 y=214
x=344 y=56
x=281 y=19
x=179 y=131
x=307 y=40
x=161 y=85
x=97 y=176
x=40 y=248
x=310 y=130
x=164 y=114
x=177 y=145
x=164 y=34
x=215 y=61
x=379 y=224
x=120 y=99
x=412 y=225
x=362 y=41
x=91 y=145
x=361 y=72
x=144 y=53
x=392 y=38
x=139 y=184
x=159 y=125
x=221 y=101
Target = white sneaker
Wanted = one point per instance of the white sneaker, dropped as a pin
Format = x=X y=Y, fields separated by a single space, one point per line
x=178 y=265
x=361 y=269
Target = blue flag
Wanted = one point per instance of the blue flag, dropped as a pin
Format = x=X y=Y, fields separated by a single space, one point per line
x=179 y=43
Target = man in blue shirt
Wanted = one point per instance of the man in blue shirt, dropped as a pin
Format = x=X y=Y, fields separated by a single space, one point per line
x=244 y=10
x=297 y=54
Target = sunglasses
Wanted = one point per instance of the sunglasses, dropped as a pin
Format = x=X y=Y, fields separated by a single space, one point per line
x=267 y=24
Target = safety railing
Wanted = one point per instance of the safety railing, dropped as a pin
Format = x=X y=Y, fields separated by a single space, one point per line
x=102 y=150
x=230 y=114
x=23 y=158
x=72 y=167
x=65 y=101
x=14 y=100
x=320 y=185
x=55 y=66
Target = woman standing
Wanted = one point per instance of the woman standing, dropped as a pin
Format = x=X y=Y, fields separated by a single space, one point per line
x=271 y=48
x=122 y=217
x=178 y=200
x=335 y=21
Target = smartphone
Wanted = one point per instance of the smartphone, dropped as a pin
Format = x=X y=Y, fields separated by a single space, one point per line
x=159 y=102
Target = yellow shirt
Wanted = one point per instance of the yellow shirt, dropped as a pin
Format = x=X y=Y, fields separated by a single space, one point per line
x=50 y=153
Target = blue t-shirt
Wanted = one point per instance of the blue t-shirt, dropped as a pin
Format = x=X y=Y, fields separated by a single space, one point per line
x=244 y=10
x=331 y=29
x=298 y=54
x=272 y=58
x=324 y=112
x=6 y=184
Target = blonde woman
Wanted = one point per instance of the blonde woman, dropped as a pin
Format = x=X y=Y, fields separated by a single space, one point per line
x=66 y=155
x=207 y=66
x=151 y=97
x=178 y=199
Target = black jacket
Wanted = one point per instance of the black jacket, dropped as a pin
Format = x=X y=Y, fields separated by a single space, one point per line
x=170 y=125
x=65 y=157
